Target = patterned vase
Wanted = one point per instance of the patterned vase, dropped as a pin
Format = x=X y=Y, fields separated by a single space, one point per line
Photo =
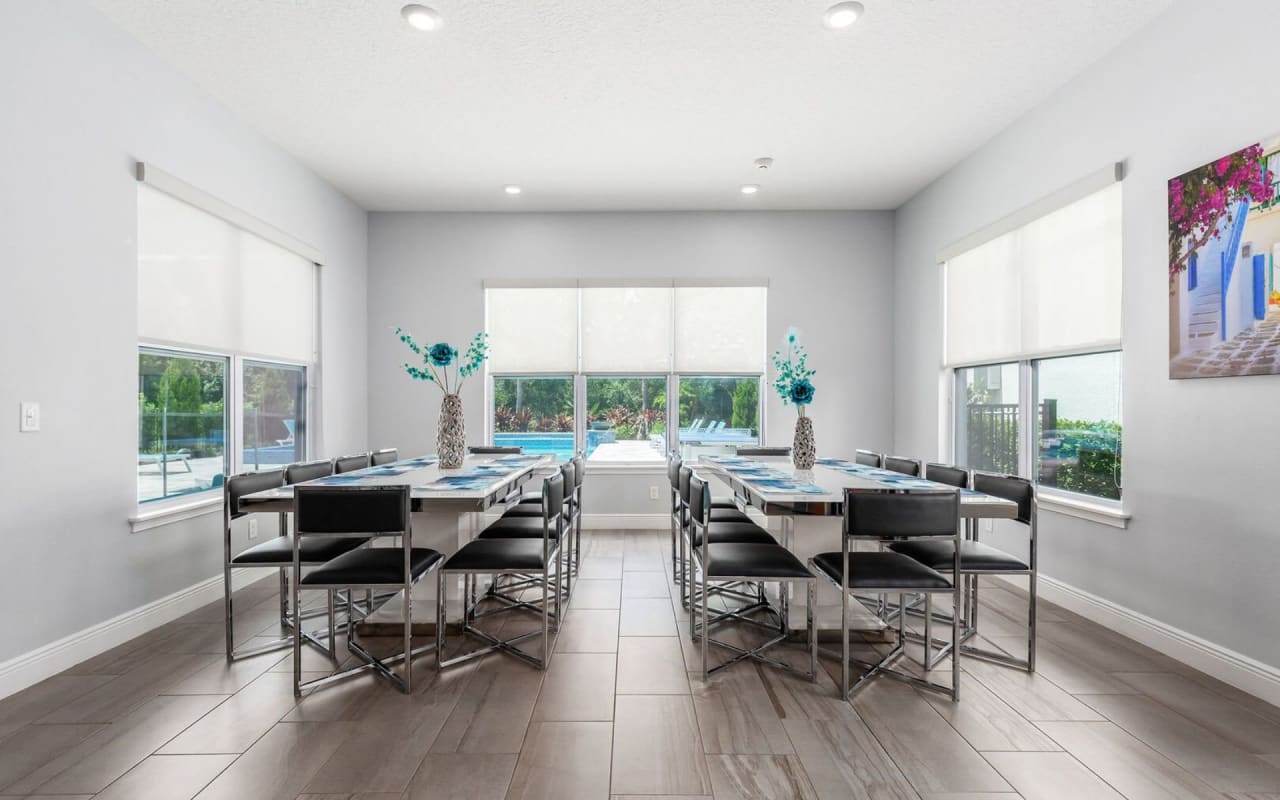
x=451 y=435
x=803 y=449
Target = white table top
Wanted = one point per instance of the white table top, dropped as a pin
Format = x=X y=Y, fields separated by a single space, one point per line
x=480 y=479
x=775 y=486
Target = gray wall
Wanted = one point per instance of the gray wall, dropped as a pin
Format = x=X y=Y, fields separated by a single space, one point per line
x=1202 y=550
x=81 y=101
x=829 y=273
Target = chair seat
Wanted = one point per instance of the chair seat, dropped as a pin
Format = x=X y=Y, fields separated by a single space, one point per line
x=750 y=560
x=313 y=550
x=515 y=528
x=885 y=570
x=370 y=566
x=740 y=532
x=974 y=556
x=723 y=504
x=526 y=499
x=498 y=555
x=727 y=515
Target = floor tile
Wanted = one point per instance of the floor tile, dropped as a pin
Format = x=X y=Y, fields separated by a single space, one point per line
x=656 y=747
x=843 y=759
x=279 y=764
x=759 y=777
x=167 y=778
x=577 y=687
x=563 y=759
x=588 y=631
x=651 y=665
x=1051 y=776
x=647 y=617
x=462 y=776
x=596 y=593
x=737 y=715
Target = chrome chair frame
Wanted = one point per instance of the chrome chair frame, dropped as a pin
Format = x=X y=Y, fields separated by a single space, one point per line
x=850 y=532
x=381 y=666
x=699 y=516
x=552 y=548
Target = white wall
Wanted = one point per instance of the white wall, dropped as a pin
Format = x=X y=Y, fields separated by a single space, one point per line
x=829 y=273
x=1203 y=548
x=81 y=102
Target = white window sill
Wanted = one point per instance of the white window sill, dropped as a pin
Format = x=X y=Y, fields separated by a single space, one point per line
x=624 y=468
x=1072 y=506
x=155 y=516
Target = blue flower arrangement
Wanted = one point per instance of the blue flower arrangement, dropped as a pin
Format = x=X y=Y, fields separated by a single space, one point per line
x=792 y=362
x=438 y=358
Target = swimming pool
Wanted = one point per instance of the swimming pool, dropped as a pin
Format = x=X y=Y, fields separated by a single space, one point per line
x=558 y=444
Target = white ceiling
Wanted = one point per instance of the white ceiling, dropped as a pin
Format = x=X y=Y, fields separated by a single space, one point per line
x=630 y=104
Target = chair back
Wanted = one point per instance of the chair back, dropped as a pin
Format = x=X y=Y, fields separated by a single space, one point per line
x=386 y=456
x=552 y=508
x=905 y=466
x=868 y=459
x=699 y=500
x=579 y=472
x=351 y=511
x=945 y=473
x=674 y=463
x=763 y=451
x=237 y=486
x=307 y=471
x=494 y=451
x=880 y=514
x=350 y=463
x=1009 y=487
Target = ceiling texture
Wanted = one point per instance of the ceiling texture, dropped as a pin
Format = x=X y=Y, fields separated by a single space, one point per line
x=630 y=104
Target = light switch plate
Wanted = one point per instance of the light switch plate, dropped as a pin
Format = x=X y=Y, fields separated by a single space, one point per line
x=29 y=417
x=253 y=528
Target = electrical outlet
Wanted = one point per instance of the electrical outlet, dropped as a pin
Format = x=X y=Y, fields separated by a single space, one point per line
x=988 y=525
x=253 y=528
x=653 y=492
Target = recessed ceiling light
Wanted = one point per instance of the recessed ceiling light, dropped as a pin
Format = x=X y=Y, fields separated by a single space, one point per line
x=512 y=189
x=842 y=15
x=749 y=188
x=421 y=17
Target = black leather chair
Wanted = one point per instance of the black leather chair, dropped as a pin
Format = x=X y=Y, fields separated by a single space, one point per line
x=977 y=558
x=760 y=562
x=868 y=459
x=307 y=471
x=524 y=520
x=763 y=451
x=387 y=455
x=724 y=525
x=351 y=463
x=274 y=553
x=884 y=515
x=494 y=451
x=945 y=473
x=504 y=552
x=904 y=466
x=345 y=514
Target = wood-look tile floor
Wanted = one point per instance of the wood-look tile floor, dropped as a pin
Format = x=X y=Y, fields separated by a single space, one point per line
x=623 y=713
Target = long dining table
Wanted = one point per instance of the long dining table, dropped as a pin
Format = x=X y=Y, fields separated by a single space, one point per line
x=447 y=507
x=808 y=506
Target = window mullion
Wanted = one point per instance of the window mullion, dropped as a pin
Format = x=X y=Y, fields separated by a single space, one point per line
x=1026 y=404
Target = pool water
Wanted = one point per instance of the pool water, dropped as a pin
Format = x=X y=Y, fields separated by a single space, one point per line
x=559 y=445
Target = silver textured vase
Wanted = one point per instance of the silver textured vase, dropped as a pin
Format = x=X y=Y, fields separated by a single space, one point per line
x=803 y=450
x=451 y=435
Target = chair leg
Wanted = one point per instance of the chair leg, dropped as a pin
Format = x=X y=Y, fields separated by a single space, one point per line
x=955 y=644
x=811 y=600
x=706 y=634
x=546 y=619
x=440 y=618
x=333 y=631
x=844 y=641
x=297 y=629
x=408 y=638
x=227 y=610
x=1031 y=623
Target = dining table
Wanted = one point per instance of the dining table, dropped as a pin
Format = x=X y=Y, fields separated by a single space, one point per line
x=447 y=509
x=805 y=509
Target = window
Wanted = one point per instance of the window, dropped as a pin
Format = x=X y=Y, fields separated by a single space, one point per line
x=988 y=415
x=718 y=413
x=275 y=409
x=629 y=415
x=534 y=412
x=226 y=328
x=1078 y=439
x=1032 y=337
x=182 y=424
x=619 y=349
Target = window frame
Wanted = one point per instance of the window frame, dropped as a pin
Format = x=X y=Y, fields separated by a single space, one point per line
x=1099 y=509
x=490 y=412
x=233 y=411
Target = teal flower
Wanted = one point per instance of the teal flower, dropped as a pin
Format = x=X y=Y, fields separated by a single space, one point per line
x=801 y=392
x=442 y=354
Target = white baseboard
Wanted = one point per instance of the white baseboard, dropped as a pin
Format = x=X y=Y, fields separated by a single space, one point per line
x=625 y=522
x=30 y=668
x=1243 y=672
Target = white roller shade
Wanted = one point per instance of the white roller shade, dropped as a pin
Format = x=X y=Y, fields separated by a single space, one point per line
x=720 y=329
x=626 y=329
x=533 y=330
x=207 y=284
x=1051 y=285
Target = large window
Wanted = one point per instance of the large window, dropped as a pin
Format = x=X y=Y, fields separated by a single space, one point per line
x=535 y=413
x=605 y=358
x=627 y=417
x=1033 y=335
x=717 y=414
x=182 y=423
x=226 y=328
